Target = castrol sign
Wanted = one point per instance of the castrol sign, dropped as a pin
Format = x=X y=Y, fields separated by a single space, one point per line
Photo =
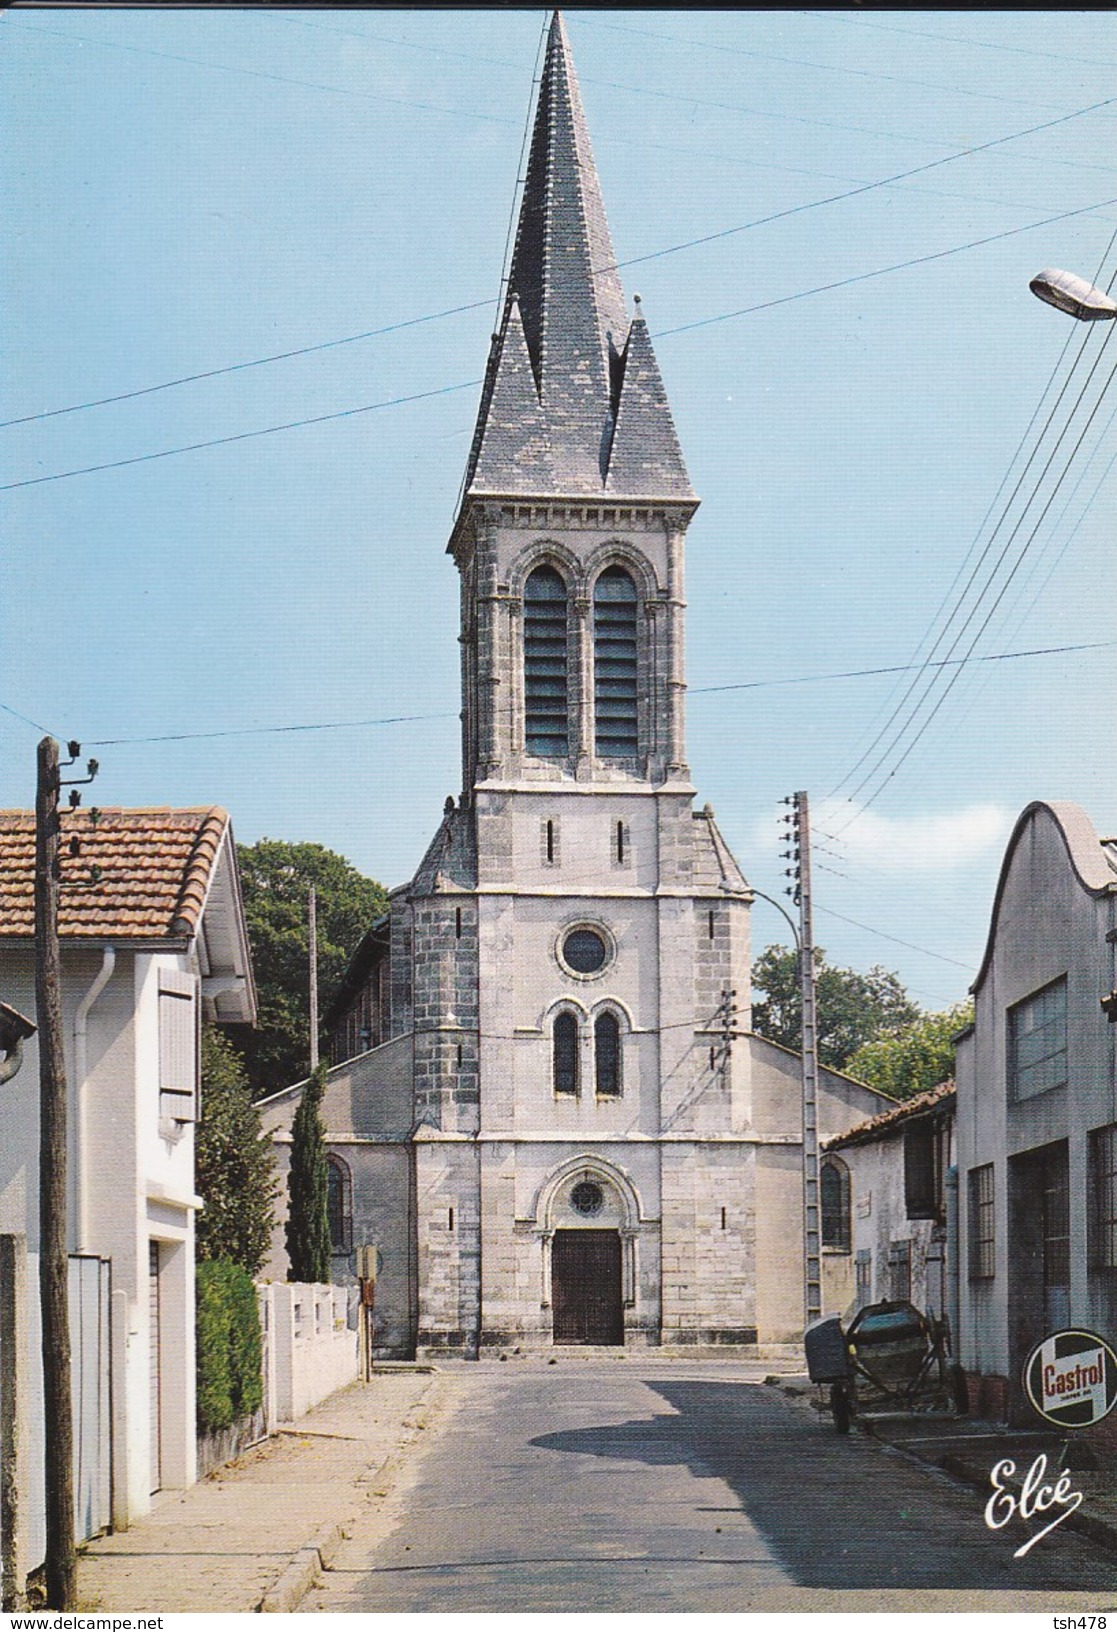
x=1071 y=1379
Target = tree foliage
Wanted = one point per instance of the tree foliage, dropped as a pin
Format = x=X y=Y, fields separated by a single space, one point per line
x=853 y=1008
x=914 y=1058
x=277 y=878
x=308 y=1224
x=234 y=1171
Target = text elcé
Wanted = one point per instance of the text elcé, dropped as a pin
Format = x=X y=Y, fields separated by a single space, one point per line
x=1034 y=1497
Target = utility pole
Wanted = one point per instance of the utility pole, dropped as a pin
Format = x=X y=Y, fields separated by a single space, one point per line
x=60 y=1562
x=799 y=852
x=53 y=1266
x=313 y=938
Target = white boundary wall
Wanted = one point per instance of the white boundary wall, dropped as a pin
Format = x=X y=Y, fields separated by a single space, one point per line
x=310 y=1350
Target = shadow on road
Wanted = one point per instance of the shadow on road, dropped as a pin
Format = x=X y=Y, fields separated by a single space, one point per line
x=837 y=1512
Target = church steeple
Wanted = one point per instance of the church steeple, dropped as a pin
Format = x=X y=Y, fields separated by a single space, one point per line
x=559 y=370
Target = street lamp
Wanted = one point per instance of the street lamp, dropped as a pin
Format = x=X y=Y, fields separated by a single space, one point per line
x=1074 y=295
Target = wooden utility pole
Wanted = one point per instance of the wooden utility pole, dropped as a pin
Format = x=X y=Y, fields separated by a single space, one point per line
x=313 y=937
x=53 y=1262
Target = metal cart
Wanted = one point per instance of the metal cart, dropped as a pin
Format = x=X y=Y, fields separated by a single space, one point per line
x=891 y=1357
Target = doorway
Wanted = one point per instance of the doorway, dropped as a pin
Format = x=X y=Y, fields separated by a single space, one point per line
x=1039 y=1255
x=586 y=1287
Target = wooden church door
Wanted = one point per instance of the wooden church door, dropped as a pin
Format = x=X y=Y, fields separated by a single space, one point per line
x=586 y=1287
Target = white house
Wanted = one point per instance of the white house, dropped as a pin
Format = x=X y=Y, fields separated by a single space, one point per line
x=883 y=1192
x=153 y=939
x=1037 y=1106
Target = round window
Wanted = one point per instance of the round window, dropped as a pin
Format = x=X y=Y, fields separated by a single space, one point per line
x=584 y=951
x=587 y=1198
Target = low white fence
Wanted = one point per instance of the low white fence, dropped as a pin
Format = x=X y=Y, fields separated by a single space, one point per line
x=310 y=1350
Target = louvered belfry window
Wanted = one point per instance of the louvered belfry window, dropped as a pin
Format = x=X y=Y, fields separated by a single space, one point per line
x=546 y=729
x=616 y=733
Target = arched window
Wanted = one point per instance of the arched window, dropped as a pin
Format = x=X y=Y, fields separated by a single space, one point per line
x=614 y=665
x=545 y=702
x=339 y=1205
x=564 y=1053
x=833 y=1198
x=607 y=1055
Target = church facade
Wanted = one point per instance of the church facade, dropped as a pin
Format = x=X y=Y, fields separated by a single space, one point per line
x=549 y=1112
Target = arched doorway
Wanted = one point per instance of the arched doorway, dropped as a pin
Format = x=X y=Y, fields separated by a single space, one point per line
x=587 y=1273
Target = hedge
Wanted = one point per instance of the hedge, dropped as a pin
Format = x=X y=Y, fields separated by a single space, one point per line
x=230 y=1384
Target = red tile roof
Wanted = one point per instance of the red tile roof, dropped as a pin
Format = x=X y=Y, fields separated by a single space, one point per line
x=940 y=1097
x=154 y=866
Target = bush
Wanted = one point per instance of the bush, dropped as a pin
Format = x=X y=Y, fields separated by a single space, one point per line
x=230 y=1385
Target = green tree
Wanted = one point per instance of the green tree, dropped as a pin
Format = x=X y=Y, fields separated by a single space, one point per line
x=914 y=1058
x=853 y=1008
x=234 y=1170
x=308 y=1225
x=277 y=877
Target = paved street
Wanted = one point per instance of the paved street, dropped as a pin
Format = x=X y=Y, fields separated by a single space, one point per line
x=622 y=1486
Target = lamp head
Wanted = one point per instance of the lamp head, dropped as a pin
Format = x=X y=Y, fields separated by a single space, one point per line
x=1073 y=294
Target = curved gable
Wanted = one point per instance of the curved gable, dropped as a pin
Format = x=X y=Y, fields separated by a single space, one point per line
x=1092 y=863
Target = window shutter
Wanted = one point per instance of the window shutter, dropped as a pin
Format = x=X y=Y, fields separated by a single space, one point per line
x=178 y=1046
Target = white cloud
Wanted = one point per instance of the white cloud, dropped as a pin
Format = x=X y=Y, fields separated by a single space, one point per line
x=945 y=842
x=940 y=843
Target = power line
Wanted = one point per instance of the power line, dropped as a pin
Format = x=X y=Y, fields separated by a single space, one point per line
x=862 y=277
x=254 y=362
x=638 y=260
x=465 y=385
x=242 y=436
x=801 y=62
x=937 y=706
x=259 y=73
x=932 y=645
x=955 y=39
x=400 y=719
x=898 y=668
x=911 y=946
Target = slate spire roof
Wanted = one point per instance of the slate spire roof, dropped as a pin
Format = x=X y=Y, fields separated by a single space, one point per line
x=573 y=403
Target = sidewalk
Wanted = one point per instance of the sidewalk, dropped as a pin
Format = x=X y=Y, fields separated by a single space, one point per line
x=968 y=1448
x=252 y=1535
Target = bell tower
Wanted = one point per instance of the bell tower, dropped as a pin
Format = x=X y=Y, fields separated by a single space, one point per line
x=569 y=539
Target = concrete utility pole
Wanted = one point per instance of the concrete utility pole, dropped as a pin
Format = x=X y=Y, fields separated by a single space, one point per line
x=313 y=937
x=800 y=871
x=53 y=1265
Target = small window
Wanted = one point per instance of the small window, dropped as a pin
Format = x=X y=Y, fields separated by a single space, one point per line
x=833 y=1199
x=899 y=1272
x=982 y=1238
x=339 y=1205
x=607 y=1055
x=564 y=1054
x=1037 y=1042
x=863 y=1277
x=1103 y=1198
x=926 y=1152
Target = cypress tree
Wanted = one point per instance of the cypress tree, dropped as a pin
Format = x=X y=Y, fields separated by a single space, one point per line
x=308 y=1227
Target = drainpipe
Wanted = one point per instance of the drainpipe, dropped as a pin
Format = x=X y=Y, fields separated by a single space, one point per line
x=953 y=1290
x=81 y=1020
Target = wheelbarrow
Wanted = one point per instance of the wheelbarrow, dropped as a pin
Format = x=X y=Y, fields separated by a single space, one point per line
x=891 y=1357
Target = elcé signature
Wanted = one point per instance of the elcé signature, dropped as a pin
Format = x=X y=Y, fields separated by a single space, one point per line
x=1034 y=1496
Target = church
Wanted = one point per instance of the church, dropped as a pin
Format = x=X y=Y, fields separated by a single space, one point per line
x=547 y=1109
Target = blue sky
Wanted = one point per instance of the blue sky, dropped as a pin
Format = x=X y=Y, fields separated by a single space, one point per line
x=188 y=190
